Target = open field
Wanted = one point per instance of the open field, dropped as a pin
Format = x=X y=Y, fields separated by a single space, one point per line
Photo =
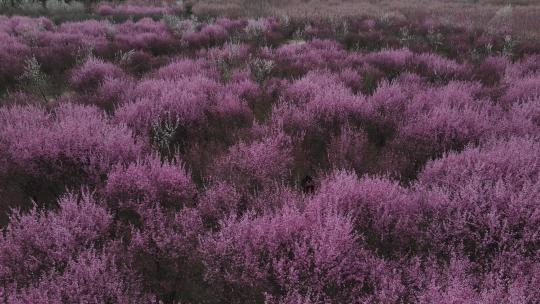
x=291 y=152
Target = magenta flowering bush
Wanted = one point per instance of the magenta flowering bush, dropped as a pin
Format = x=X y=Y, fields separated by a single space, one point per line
x=182 y=68
x=383 y=213
x=257 y=165
x=188 y=100
x=186 y=115
x=144 y=34
x=491 y=71
x=297 y=58
x=141 y=184
x=110 y=93
x=489 y=215
x=211 y=34
x=527 y=114
x=522 y=89
x=92 y=74
x=217 y=202
x=455 y=282
x=418 y=125
x=44 y=152
x=38 y=243
x=310 y=254
x=163 y=251
x=347 y=150
x=13 y=52
x=91 y=277
x=272 y=160
x=315 y=110
x=390 y=61
x=318 y=101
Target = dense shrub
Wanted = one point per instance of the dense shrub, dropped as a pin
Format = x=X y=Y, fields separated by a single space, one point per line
x=347 y=150
x=318 y=101
x=195 y=116
x=92 y=74
x=182 y=68
x=73 y=145
x=385 y=214
x=522 y=89
x=12 y=58
x=208 y=35
x=217 y=202
x=491 y=70
x=311 y=255
x=527 y=110
x=188 y=100
x=111 y=93
x=43 y=242
x=494 y=190
x=147 y=182
x=91 y=277
x=391 y=62
x=139 y=62
x=433 y=121
x=298 y=58
x=163 y=252
x=257 y=165
x=145 y=34
x=315 y=110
